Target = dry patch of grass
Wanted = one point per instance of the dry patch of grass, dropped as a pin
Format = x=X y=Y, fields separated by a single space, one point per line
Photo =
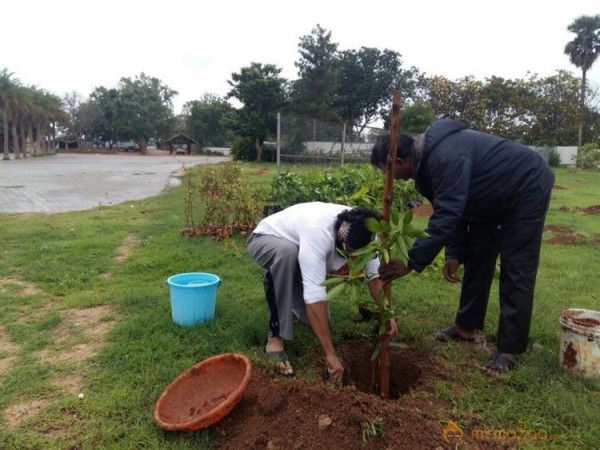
x=78 y=337
x=87 y=325
x=6 y=364
x=8 y=351
x=125 y=250
x=15 y=414
x=18 y=287
x=72 y=385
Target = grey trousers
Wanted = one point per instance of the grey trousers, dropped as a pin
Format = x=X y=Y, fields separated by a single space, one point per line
x=283 y=282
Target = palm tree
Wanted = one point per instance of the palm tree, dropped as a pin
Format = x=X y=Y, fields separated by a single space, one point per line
x=583 y=51
x=8 y=88
x=19 y=109
x=46 y=110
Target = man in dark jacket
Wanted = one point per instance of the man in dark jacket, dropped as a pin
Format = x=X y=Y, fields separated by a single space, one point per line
x=490 y=196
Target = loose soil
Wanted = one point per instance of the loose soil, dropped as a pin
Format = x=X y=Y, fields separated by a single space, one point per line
x=592 y=210
x=563 y=235
x=282 y=413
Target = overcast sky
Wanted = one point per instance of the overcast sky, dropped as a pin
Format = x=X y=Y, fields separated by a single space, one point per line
x=194 y=46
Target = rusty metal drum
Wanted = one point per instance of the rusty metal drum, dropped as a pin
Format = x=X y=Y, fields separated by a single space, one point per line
x=580 y=342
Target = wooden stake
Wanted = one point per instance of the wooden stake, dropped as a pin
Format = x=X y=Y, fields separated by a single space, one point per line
x=384 y=354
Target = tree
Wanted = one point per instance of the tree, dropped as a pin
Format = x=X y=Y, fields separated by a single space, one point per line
x=314 y=92
x=19 y=111
x=101 y=110
x=366 y=79
x=8 y=91
x=144 y=109
x=502 y=99
x=262 y=92
x=50 y=113
x=73 y=101
x=416 y=118
x=204 y=120
x=553 y=110
x=460 y=100
x=583 y=51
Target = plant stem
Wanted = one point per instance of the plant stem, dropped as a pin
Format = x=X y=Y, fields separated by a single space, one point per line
x=384 y=355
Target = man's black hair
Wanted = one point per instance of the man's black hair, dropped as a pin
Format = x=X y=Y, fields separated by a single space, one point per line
x=358 y=235
x=380 y=150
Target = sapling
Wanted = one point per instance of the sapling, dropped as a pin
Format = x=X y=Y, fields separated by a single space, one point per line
x=399 y=234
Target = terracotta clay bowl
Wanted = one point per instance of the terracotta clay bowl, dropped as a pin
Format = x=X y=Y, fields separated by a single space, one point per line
x=204 y=394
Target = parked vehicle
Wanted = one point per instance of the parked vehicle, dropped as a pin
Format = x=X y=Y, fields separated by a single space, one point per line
x=127 y=146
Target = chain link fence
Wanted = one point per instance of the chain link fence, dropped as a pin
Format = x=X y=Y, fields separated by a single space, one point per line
x=313 y=141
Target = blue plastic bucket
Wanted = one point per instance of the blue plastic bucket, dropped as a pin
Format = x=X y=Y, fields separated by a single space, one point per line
x=193 y=297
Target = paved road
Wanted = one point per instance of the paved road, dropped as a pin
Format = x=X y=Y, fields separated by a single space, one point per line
x=73 y=182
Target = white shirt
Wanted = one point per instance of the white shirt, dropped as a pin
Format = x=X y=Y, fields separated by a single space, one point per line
x=311 y=227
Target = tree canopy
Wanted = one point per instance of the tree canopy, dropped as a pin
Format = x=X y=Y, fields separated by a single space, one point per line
x=261 y=91
x=353 y=86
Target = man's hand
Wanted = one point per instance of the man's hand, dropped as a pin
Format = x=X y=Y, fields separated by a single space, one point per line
x=449 y=270
x=392 y=270
x=334 y=368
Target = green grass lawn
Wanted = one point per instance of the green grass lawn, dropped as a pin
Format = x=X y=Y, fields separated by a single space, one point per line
x=85 y=309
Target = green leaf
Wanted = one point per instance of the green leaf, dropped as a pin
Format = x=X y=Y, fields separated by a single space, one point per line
x=385 y=255
x=402 y=248
x=360 y=194
x=336 y=291
x=386 y=314
x=385 y=226
x=393 y=236
x=370 y=248
x=373 y=225
x=415 y=232
x=360 y=263
x=376 y=351
x=331 y=282
x=394 y=216
x=408 y=217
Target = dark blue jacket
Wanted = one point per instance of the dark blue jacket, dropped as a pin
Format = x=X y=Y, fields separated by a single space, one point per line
x=466 y=173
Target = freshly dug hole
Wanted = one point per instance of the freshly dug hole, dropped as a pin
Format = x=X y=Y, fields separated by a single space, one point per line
x=362 y=373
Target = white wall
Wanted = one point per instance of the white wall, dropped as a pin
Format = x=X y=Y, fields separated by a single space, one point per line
x=567 y=154
x=336 y=147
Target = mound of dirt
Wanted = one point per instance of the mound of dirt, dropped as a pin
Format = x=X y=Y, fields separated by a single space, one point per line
x=592 y=210
x=563 y=235
x=280 y=413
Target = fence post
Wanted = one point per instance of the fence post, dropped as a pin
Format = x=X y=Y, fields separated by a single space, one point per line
x=278 y=142
x=343 y=142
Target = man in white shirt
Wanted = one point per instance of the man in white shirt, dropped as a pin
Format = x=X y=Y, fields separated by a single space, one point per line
x=298 y=247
